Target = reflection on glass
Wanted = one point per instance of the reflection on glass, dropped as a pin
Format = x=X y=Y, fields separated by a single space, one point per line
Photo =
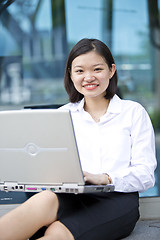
x=36 y=36
x=30 y=31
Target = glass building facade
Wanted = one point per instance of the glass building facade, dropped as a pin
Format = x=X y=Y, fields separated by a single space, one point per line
x=36 y=37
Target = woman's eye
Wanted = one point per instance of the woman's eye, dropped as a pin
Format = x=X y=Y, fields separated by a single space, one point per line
x=79 y=71
x=98 y=69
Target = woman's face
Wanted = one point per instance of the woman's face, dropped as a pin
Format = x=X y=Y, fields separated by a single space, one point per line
x=91 y=75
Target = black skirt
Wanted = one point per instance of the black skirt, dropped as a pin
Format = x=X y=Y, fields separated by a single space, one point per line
x=101 y=216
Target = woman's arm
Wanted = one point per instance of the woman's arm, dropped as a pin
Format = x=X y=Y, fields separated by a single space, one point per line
x=139 y=176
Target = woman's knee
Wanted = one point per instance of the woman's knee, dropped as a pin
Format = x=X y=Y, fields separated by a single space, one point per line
x=58 y=231
x=45 y=205
x=45 y=198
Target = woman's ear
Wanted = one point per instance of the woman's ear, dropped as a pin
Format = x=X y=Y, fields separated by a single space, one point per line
x=112 y=70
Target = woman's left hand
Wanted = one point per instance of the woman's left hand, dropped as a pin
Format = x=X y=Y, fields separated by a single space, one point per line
x=96 y=179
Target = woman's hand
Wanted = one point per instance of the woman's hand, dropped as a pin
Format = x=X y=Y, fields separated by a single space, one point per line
x=96 y=179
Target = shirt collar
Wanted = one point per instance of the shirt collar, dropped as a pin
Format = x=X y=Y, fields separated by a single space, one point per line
x=80 y=105
x=115 y=105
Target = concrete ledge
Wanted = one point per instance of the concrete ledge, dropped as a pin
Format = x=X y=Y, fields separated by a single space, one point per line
x=150 y=208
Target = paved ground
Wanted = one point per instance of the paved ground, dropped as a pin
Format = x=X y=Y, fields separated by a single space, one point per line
x=146 y=230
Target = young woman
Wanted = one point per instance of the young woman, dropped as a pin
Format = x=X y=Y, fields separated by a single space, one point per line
x=116 y=145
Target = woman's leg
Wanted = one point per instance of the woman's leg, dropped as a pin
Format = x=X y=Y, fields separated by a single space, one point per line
x=57 y=231
x=22 y=222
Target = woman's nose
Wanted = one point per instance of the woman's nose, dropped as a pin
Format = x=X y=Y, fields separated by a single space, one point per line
x=89 y=77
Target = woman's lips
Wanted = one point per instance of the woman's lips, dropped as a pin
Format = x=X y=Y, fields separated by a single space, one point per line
x=90 y=86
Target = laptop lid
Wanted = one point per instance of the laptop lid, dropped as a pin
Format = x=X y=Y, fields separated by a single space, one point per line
x=36 y=146
x=38 y=151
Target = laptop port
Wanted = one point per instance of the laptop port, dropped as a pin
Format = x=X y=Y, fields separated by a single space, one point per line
x=31 y=188
x=76 y=191
x=5 y=188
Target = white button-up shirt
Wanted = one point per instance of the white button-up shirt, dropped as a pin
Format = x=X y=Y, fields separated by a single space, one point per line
x=121 y=144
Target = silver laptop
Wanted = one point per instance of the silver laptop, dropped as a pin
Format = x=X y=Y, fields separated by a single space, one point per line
x=38 y=151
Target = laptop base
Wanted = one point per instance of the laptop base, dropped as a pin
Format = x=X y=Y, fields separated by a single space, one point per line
x=65 y=188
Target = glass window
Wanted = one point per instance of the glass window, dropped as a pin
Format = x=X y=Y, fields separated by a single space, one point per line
x=32 y=53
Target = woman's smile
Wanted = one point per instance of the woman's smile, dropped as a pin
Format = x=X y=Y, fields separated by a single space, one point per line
x=90 y=86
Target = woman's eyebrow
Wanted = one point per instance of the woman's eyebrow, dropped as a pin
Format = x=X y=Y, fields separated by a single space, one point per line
x=94 y=65
x=77 y=66
x=98 y=64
